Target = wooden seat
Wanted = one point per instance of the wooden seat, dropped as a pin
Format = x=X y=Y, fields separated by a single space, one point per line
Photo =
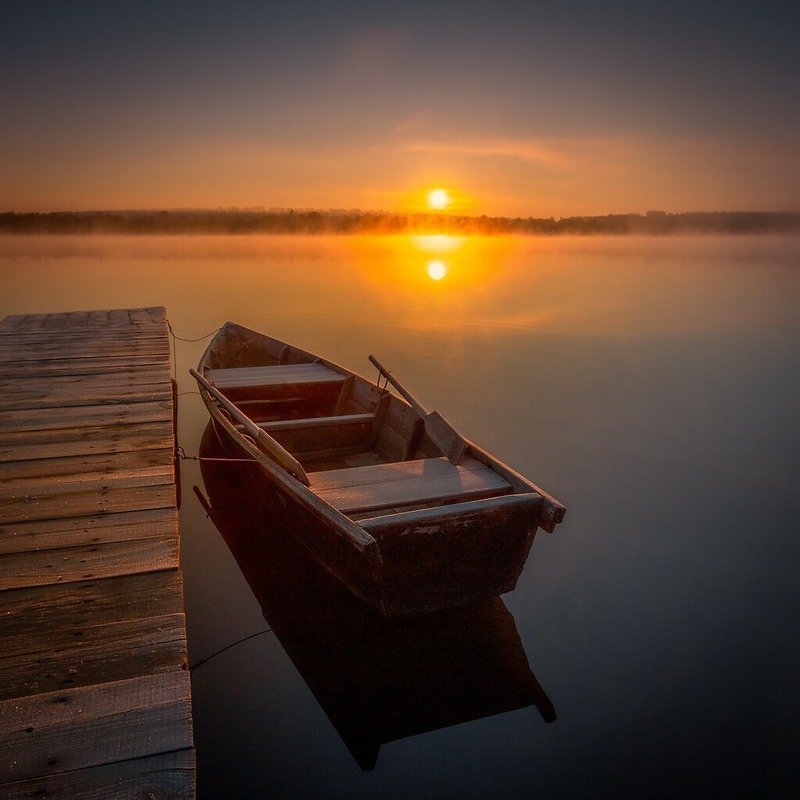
x=317 y=422
x=407 y=483
x=278 y=375
x=320 y=435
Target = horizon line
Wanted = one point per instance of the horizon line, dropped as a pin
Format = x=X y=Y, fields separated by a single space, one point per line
x=361 y=211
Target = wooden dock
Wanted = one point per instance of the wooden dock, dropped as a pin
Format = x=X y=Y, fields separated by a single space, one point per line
x=94 y=687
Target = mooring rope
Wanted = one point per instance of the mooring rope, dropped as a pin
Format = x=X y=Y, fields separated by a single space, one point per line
x=181 y=454
x=175 y=338
x=202 y=661
x=198 y=339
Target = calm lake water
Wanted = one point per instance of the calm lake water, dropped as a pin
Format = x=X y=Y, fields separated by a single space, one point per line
x=649 y=384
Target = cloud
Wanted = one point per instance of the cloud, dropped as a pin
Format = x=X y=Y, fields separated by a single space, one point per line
x=524 y=149
x=372 y=50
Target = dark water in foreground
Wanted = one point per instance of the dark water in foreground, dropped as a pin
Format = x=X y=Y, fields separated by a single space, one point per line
x=651 y=385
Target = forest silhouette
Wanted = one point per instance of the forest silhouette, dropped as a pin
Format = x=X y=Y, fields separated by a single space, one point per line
x=291 y=221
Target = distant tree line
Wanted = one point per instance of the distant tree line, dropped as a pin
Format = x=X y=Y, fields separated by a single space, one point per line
x=289 y=221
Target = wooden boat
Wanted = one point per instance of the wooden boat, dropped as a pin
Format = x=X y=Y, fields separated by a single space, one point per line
x=408 y=515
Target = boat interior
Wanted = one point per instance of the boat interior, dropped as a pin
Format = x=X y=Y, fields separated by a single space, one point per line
x=364 y=450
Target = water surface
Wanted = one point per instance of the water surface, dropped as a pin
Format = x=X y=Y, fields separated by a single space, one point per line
x=649 y=384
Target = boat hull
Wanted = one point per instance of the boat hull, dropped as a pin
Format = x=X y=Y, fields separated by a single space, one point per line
x=428 y=561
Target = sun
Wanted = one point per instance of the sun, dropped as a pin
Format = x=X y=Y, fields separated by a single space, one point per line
x=438 y=198
x=437 y=270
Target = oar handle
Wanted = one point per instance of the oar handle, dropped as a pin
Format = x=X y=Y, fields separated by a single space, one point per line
x=415 y=404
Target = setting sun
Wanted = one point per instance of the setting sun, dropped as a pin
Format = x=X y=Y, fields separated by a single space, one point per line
x=437 y=270
x=438 y=198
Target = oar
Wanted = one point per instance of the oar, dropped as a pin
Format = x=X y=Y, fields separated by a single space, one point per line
x=441 y=432
x=261 y=437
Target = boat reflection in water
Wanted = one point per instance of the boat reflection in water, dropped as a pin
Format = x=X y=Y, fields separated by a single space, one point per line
x=377 y=680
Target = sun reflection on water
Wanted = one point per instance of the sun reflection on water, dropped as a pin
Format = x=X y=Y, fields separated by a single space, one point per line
x=437 y=270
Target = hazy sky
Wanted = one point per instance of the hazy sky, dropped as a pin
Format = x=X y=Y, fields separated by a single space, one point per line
x=523 y=108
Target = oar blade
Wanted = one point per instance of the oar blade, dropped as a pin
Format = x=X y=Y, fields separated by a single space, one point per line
x=447 y=438
x=439 y=430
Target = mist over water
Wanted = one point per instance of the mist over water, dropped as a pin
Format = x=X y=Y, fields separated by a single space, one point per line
x=650 y=384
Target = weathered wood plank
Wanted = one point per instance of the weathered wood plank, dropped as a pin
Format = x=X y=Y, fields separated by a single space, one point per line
x=143 y=376
x=169 y=776
x=22 y=474
x=65 y=565
x=317 y=422
x=72 y=416
x=283 y=375
x=68 y=442
x=87 y=343
x=102 y=332
x=45 y=534
x=133 y=394
x=150 y=337
x=85 y=503
x=48 y=484
x=84 y=655
x=369 y=488
x=99 y=318
x=34 y=400
x=72 y=366
x=34 y=350
x=96 y=319
x=77 y=392
x=45 y=348
x=94 y=725
x=76 y=606
x=104 y=326
x=396 y=471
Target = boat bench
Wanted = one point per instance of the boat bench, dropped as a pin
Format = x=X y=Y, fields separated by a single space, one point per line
x=278 y=375
x=338 y=431
x=407 y=483
x=295 y=384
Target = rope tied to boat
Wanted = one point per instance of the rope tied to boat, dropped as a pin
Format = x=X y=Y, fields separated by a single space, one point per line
x=176 y=338
x=181 y=454
x=199 y=338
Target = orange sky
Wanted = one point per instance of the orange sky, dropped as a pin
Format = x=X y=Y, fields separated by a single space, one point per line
x=519 y=110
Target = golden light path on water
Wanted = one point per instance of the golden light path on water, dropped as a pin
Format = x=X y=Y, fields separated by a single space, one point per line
x=559 y=285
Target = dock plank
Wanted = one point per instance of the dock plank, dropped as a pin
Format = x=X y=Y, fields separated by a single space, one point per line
x=93 y=602
x=60 y=443
x=46 y=478
x=46 y=534
x=44 y=419
x=89 y=465
x=82 y=562
x=72 y=656
x=167 y=775
x=56 y=368
x=33 y=397
x=93 y=725
x=44 y=505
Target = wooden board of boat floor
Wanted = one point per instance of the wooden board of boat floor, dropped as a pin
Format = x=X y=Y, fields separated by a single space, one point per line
x=94 y=691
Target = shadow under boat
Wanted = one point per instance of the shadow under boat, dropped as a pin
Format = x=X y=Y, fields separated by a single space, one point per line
x=377 y=680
